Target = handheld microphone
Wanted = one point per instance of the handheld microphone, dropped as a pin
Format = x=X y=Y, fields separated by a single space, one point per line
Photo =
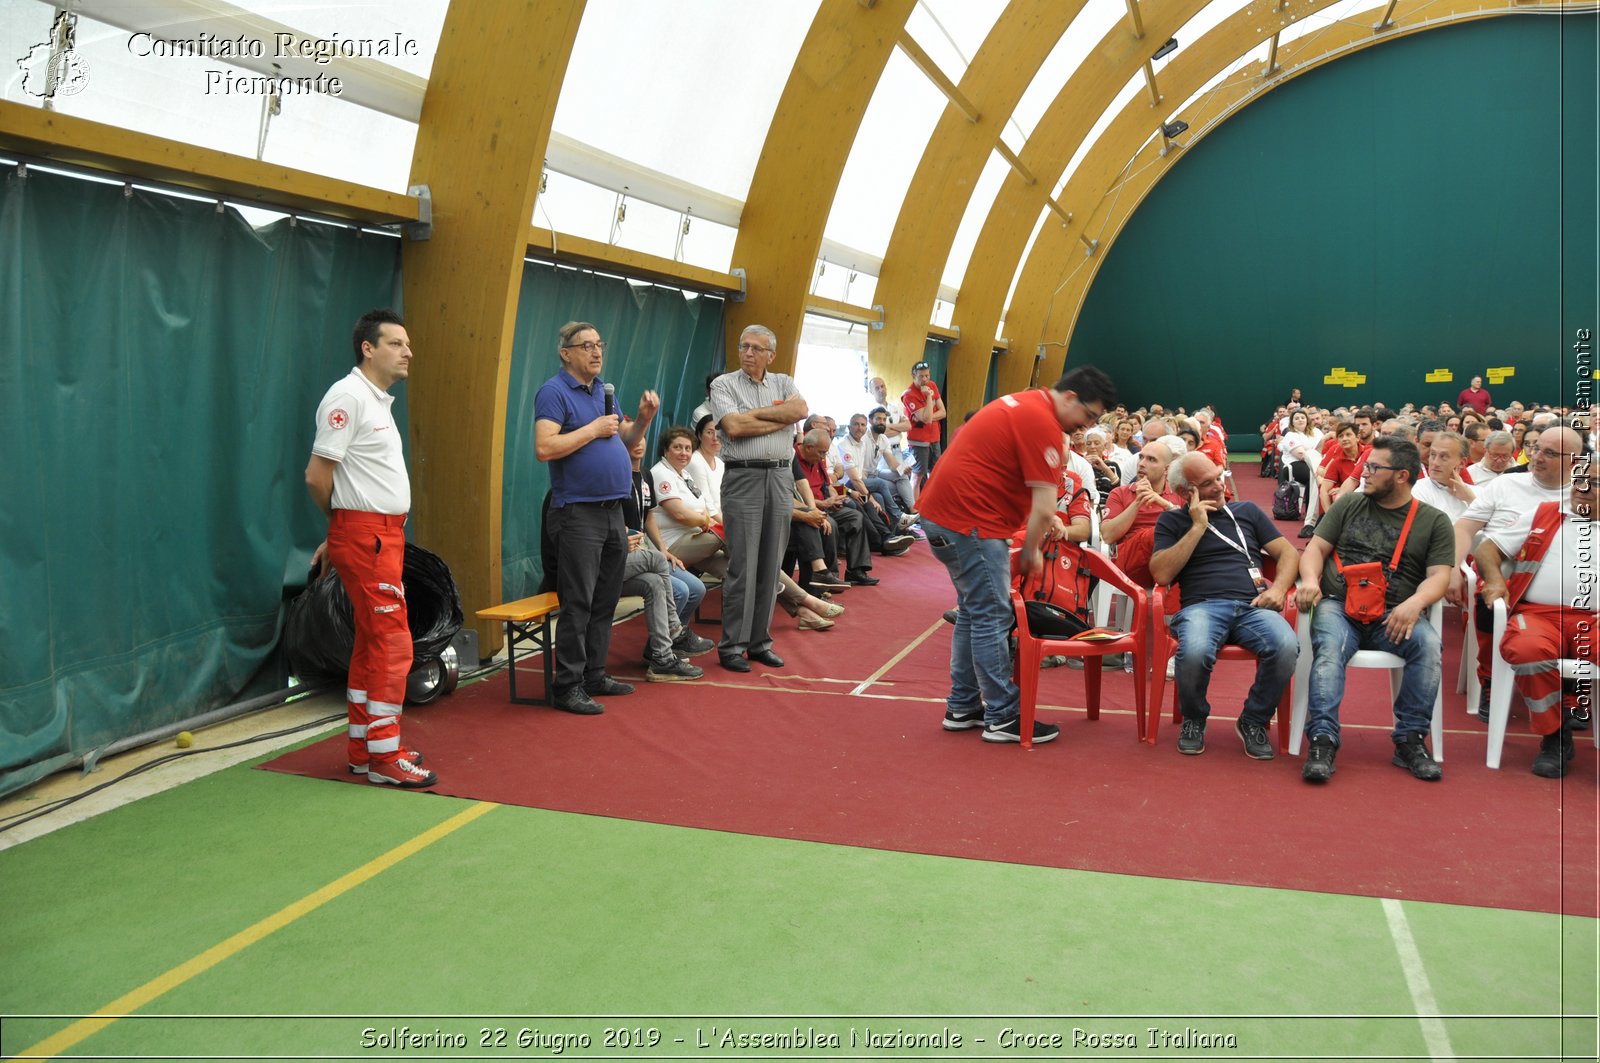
x=611 y=399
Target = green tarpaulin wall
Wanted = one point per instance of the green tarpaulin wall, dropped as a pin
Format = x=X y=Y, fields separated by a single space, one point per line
x=160 y=363
x=656 y=338
x=1424 y=204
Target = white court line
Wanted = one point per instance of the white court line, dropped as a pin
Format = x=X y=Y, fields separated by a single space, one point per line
x=1433 y=1031
x=897 y=658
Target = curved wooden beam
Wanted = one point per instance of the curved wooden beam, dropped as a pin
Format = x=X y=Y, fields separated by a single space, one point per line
x=1107 y=187
x=1093 y=85
x=480 y=148
x=797 y=176
x=953 y=161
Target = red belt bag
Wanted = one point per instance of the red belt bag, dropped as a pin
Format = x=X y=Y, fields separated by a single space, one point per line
x=1367 y=585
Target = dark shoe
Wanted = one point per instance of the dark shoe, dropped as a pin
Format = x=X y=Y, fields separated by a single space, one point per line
x=578 y=701
x=828 y=581
x=963 y=721
x=1483 y=703
x=1578 y=719
x=1319 y=759
x=606 y=687
x=1257 y=746
x=692 y=643
x=896 y=545
x=733 y=664
x=1192 y=737
x=671 y=669
x=860 y=577
x=1555 y=753
x=766 y=657
x=950 y=616
x=1306 y=532
x=1411 y=753
x=1011 y=731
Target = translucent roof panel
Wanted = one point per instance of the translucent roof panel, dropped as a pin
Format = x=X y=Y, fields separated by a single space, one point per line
x=686 y=88
x=1080 y=39
x=978 y=207
x=893 y=135
x=951 y=31
x=154 y=66
x=579 y=208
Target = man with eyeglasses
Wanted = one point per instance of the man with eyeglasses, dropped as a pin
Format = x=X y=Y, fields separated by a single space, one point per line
x=578 y=433
x=1002 y=471
x=1545 y=568
x=755 y=411
x=1411 y=540
x=1498 y=508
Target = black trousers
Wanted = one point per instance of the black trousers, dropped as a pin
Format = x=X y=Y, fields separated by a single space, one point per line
x=591 y=550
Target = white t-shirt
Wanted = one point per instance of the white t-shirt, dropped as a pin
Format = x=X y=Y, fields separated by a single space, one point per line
x=859 y=456
x=667 y=483
x=1567 y=575
x=1292 y=441
x=1126 y=461
x=356 y=429
x=1502 y=503
x=709 y=480
x=1436 y=496
x=1085 y=473
x=1481 y=475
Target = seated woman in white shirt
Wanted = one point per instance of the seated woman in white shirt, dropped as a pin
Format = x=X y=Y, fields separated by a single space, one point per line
x=683 y=514
x=1298 y=448
x=706 y=467
x=1121 y=455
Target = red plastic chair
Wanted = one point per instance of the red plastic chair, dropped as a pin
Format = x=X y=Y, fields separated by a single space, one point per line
x=1166 y=647
x=1031 y=650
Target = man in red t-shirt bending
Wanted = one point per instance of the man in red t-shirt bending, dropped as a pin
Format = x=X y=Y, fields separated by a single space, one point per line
x=1003 y=469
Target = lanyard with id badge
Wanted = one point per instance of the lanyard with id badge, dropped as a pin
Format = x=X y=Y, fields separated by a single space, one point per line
x=1253 y=566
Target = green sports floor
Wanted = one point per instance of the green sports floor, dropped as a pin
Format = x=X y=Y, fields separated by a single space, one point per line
x=257 y=915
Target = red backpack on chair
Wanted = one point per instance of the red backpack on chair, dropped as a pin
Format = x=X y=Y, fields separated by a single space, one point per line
x=1056 y=595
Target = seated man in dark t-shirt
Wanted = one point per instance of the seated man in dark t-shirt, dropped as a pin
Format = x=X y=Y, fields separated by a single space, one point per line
x=1212 y=550
x=1364 y=527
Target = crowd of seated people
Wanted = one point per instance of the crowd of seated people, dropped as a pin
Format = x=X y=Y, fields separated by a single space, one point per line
x=1409 y=500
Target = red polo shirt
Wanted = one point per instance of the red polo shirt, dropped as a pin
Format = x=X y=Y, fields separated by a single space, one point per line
x=982 y=480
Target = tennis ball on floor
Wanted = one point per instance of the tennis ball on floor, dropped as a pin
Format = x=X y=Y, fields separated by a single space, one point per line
x=185 y=739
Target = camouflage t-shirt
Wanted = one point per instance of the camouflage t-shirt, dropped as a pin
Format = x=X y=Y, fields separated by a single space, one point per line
x=1361 y=530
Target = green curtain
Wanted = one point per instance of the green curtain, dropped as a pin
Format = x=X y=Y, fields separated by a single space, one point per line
x=657 y=338
x=991 y=383
x=160 y=362
x=1425 y=204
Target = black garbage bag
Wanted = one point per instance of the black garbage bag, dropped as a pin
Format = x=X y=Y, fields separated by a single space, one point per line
x=320 y=631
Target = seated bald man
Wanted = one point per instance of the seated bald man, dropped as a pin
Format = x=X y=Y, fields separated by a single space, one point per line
x=1212 y=550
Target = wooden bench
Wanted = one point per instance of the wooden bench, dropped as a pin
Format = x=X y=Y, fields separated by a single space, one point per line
x=529 y=620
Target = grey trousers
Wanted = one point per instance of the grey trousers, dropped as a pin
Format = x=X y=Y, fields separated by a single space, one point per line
x=755 y=513
x=648 y=573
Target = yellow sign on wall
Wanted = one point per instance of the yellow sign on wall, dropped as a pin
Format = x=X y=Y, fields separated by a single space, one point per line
x=1345 y=378
x=1439 y=376
x=1499 y=374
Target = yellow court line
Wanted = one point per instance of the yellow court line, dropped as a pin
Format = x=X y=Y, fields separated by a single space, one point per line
x=162 y=984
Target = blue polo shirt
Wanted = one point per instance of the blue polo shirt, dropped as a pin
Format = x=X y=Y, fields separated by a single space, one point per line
x=598 y=471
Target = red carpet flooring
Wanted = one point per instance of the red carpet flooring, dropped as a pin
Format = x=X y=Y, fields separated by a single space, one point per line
x=795 y=753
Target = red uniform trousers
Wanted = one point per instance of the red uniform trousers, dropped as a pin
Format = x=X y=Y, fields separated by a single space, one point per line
x=369 y=550
x=1536 y=638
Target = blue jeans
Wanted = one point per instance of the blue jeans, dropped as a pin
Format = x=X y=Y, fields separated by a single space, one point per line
x=1335 y=638
x=687 y=593
x=980 y=656
x=884 y=493
x=1204 y=627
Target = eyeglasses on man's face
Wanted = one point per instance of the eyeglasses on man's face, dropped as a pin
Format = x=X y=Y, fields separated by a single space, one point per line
x=1553 y=455
x=1374 y=466
x=752 y=348
x=587 y=347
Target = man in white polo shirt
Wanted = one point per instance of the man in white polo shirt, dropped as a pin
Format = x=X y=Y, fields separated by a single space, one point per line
x=357 y=476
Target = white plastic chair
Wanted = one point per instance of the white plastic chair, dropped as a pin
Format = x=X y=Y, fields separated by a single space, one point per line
x=1502 y=681
x=1362 y=659
x=1467 y=676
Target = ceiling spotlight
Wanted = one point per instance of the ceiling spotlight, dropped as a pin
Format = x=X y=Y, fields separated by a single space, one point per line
x=1166 y=49
x=1176 y=127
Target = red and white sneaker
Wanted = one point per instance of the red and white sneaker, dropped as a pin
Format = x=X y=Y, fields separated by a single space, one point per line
x=358 y=761
x=401 y=773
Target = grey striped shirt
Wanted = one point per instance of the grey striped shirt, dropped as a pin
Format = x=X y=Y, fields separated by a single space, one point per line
x=735 y=392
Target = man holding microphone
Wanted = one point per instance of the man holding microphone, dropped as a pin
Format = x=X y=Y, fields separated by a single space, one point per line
x=578 y=434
